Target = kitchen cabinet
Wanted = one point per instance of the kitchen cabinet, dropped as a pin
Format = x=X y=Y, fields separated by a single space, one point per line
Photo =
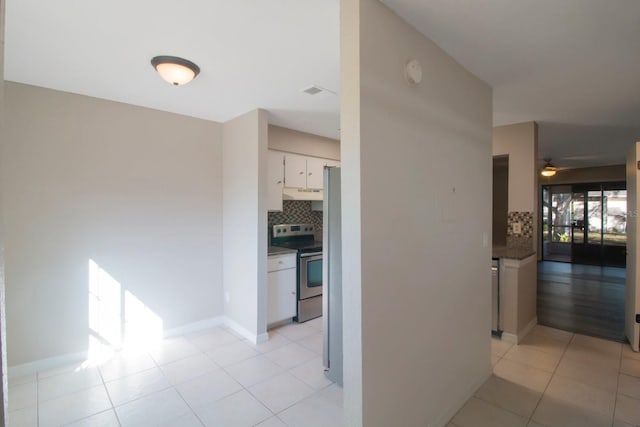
x=276 y=180
x=305 y=172
x=315 y=172
x=295 y=171
x=281 y=288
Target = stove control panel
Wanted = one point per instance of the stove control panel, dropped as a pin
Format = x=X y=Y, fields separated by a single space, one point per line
x=288 y=230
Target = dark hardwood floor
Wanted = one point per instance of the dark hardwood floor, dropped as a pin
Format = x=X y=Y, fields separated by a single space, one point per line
x=582 y=298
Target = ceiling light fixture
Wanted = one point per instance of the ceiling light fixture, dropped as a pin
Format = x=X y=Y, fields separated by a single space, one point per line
x=549 y=169
x=177 y=71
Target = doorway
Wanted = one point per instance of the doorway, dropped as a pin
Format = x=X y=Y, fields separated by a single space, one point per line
x=585 y=223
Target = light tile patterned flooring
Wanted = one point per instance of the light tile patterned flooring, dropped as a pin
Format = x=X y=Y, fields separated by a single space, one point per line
x=557 y=379
x=215 y=378
x=212 y=378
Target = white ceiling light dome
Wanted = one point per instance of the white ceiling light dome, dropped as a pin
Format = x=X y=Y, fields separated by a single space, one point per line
x=175 y=70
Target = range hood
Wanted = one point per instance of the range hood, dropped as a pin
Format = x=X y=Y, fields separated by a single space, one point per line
x=301 y=194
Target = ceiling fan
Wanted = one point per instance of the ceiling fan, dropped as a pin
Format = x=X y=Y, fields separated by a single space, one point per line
x=549 y=169
x=570 y=162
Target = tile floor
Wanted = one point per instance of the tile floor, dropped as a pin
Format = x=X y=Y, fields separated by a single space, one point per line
x=215 y=378
x=212 y=378
x=557 y=379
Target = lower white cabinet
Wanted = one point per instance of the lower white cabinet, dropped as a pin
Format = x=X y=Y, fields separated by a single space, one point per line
x=281 y=288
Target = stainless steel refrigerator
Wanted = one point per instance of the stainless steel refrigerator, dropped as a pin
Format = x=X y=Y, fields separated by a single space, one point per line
x=332 y=275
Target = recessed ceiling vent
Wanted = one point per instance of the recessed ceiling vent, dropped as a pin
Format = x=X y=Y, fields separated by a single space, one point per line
x=313 y=90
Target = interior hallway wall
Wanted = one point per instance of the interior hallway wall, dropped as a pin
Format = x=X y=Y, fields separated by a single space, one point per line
x=520 y=142
x=417 y=160
x=137 y=191
x=3 y=335
x=245 y=223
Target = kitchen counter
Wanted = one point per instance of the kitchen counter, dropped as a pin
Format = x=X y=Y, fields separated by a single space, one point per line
x=518 y=286
x=277 y=250
x=513 y=251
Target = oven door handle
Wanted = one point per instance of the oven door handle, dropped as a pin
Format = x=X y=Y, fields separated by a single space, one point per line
x=311 y=254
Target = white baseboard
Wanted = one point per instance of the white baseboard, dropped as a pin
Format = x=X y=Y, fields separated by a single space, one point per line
x=510 y=338
x=280 y=323
x=453 y=410
x=72 y=358
x=523 y=333
x=264 y=337
x=41 y=365
x=517 y=338
x=194 y=327
x=256 y=339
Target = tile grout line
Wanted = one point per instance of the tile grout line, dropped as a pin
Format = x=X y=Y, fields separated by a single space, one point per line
x=566 y=347
x=274 y=414
x=106 y=390
x=315 y=391
x=113 y=406
x=174 y=386
x=195 y=414
x=200 y=351
x=492 y=374
x=500 y=358
x=171 y=385
x=37 y=398
x=223 y=368
x=615 y=401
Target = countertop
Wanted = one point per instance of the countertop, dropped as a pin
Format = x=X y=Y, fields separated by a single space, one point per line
x=512 y=251
x=277 y=250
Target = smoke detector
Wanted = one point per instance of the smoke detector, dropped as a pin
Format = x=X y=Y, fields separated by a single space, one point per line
x=413 y=72
x=312 y=90
x=315 y=89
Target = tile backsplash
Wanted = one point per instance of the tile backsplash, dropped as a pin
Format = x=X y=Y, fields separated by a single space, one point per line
x=296 y=212
x=525 y=238
x=526 y=223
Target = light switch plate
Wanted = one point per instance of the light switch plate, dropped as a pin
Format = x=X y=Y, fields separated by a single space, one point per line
x=517 y=228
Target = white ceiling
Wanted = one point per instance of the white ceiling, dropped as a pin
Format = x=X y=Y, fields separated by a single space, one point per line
x=252 y=54
x=571 y=65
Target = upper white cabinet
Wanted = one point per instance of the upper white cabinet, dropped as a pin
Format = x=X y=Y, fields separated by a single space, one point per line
x=276 y=180
x=315 y=172
x=295 y=171
x=305 y=172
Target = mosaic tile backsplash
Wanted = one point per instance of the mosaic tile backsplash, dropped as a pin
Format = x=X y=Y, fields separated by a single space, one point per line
x=526 y=221
x=296 y=212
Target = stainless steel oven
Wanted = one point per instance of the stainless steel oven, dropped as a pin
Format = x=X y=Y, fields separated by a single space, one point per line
x=309 y=286
x=310 y=275
x=309 y=282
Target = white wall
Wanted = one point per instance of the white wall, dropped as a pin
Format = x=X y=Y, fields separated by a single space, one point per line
x=632 y=284
x=137 y=191
x=245 y=223
x=351 y=227
x=294 y=141
x=3 y=352
x=416 y=224
x=520 y=142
